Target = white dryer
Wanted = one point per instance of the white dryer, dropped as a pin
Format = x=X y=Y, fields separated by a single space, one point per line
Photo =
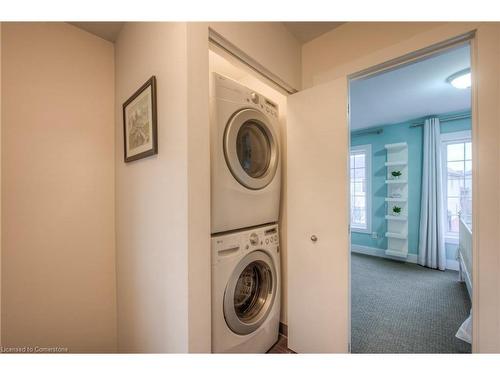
x=245 y=290
x=245 y=157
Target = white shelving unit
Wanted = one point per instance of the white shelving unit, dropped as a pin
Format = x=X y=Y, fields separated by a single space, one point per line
x=397 y=195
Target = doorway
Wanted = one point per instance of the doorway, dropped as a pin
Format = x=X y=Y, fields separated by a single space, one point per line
x=410 y=189
x=318 y=192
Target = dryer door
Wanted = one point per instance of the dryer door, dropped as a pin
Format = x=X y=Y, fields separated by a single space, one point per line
x=251 y=148
x=250 y=293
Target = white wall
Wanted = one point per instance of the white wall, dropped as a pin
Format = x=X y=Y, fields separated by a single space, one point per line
x=199 y=267
x=151 y=195
x=58 y=244
x=0 y=186
x=163 y=202
x=269 y=43
x=351 y=41
x=357 y=47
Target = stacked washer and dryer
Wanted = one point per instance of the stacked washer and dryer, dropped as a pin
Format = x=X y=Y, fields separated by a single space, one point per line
x=245 y=183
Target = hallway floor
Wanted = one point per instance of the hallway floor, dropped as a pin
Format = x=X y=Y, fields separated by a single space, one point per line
x=281 y=346
x=405 y=308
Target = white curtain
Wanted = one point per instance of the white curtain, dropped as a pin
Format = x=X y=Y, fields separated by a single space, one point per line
x=431 y=248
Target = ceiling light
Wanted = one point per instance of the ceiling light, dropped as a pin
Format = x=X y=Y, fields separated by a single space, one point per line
x=461 y=79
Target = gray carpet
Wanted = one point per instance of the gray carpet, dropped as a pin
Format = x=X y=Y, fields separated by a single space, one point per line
x=405 y=308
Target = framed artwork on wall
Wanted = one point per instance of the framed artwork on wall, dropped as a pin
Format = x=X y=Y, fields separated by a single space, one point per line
x=140 y=133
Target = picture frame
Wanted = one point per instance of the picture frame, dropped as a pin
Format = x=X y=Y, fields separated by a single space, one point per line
x=140 y=131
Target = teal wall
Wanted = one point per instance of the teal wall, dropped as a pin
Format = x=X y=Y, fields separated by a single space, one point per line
x=413 y=136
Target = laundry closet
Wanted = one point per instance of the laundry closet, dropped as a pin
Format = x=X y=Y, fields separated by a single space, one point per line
x=247 y=128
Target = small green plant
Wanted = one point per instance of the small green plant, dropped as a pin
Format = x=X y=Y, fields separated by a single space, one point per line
x=396 y=174
x=396 y=210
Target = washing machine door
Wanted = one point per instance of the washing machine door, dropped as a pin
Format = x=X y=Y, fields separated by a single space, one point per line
x=251 y=148
x=250 y=293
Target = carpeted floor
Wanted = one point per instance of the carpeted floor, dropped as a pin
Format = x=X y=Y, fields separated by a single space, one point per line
x=405 y=308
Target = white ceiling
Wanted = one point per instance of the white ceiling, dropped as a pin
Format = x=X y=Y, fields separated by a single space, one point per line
x=410 y=92
x=302 y=31
x=105 y=30
x=306 y=31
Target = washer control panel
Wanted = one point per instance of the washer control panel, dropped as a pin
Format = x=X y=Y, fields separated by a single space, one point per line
x=263 y=237
x=232 y=245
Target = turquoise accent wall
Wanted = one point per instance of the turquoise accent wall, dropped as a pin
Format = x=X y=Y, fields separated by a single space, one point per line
x=413 y=136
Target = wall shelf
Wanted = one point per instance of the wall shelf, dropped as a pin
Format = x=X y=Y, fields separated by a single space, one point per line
x=395 y=163
x=396 y=146
x=396 y=218
x=397 y=225
x=400 y=200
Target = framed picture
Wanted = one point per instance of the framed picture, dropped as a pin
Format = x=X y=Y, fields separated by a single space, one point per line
x=139 y=123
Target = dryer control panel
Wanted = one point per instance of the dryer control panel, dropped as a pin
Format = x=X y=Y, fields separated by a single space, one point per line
x=234 y=91
x=267 y=106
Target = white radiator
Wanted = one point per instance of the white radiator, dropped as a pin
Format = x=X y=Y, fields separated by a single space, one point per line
x=465 y=254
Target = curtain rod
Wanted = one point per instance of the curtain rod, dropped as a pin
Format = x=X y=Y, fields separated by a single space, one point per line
x=442 y=119
x=364 y=132
x=413 y=125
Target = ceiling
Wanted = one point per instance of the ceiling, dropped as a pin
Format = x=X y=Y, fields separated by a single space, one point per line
x=302 y=31
x=306 y=31
x=105 y=30
x=413 y=91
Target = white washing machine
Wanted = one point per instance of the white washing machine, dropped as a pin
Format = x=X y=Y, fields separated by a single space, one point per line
x=245 y=157
x=245 y=290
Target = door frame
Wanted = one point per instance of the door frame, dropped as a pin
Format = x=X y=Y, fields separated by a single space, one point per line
x=396 y=63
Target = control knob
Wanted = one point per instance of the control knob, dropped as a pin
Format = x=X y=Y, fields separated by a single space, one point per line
x=254 y=97
x=254 y=239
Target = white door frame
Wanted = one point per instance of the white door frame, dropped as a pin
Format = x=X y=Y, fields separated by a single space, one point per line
x=432 y=48
x=396 y=63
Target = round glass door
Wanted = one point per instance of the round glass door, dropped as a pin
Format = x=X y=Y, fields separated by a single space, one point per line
x=250 y=293
x=251 y=149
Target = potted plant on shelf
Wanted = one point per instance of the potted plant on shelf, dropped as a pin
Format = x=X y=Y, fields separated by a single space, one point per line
x=396 y=210
x=396 y=174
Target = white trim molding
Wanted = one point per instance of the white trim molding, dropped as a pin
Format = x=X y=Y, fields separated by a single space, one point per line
x=411 y=258
x=376 y=252
x=367 y=151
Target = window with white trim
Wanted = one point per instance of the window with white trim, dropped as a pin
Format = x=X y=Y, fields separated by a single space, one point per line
x=456 y=157
x=360 y=171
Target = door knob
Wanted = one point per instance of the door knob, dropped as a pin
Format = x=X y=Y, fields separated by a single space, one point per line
x=314 y=238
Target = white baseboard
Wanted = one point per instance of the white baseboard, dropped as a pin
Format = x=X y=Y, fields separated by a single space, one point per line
x=412 y=258
x=376 y=252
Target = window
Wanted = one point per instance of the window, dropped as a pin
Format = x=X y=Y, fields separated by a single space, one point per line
x=360 y=162
x=457 y=180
